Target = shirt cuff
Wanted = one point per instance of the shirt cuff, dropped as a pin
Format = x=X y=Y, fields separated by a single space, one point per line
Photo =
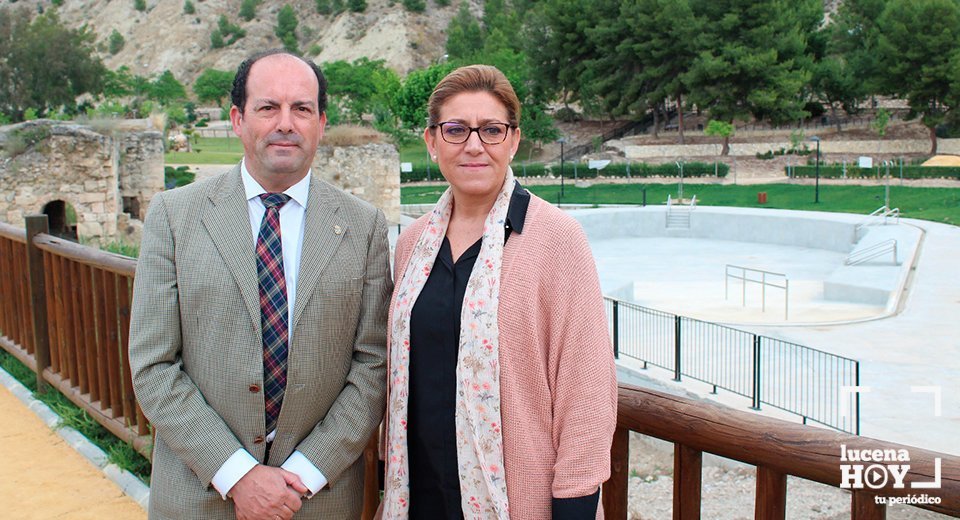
x=311 y=477
x=238 y=465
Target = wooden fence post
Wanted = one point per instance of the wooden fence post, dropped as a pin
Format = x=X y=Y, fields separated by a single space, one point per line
x=37 y=224
x=614 y=495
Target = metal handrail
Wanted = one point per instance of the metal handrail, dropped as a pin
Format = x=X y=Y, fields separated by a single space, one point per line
x=763 y=283
x=874 y=251
x=881 y=212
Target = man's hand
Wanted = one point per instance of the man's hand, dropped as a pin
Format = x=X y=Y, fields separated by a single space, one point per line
x=267 y=493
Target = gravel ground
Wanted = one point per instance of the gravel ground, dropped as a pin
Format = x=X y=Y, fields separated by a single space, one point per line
x=729 y=488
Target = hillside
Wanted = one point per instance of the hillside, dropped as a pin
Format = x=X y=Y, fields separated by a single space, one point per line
x=163 y=37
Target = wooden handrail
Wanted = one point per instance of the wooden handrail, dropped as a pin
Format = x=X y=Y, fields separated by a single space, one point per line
x=776 y=447
x=17 y=234
x=119 y=264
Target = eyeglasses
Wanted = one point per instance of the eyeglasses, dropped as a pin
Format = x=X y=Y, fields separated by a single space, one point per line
x=458 y=133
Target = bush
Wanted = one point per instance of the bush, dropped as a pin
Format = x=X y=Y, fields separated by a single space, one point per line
x=531 y=170
x=248 y=9
x=416 y=6
x=175 y=177
x=420 y=173
x=216 y=39
x=834 y=171
x=567 y=115
x=622 y=170
x=188 y=7
x=116 y=42
x=140 y=5
x=693 y=169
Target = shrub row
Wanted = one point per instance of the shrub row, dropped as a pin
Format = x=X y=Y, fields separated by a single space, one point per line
x=626 y=170
x=909 y=172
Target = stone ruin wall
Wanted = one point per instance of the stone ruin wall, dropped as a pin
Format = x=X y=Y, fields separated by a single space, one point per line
x=110 y=177
x=89 y=170
x=370 y=171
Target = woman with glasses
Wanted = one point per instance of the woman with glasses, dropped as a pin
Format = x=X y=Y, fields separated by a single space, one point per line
x=502 y=387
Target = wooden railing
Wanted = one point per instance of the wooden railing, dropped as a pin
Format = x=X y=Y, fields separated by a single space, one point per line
x=66 y=315
x=777 y=448
x=65 y=311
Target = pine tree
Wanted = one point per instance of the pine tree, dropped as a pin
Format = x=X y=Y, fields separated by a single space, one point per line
x=358 y=6
x=248 y=9
x=286 y=28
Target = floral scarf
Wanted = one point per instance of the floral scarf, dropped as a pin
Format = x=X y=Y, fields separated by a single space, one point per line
x=483 y=487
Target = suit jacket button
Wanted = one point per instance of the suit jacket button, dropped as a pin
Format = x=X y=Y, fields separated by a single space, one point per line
x=258 y=439
x=254 y=388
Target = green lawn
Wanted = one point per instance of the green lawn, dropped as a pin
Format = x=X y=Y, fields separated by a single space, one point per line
x=209 y=150
x=936 y=204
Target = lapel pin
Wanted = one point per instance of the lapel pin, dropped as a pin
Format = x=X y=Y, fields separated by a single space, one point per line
x=337 y=230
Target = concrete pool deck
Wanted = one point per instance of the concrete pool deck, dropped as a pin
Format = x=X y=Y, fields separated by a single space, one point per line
x=908 y=346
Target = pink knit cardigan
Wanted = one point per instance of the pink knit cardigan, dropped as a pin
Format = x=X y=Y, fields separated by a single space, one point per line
x=557 y=377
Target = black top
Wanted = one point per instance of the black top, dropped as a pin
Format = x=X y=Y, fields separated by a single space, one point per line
x=434 y=345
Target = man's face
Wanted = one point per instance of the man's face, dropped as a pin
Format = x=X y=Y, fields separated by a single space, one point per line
x=281 y=124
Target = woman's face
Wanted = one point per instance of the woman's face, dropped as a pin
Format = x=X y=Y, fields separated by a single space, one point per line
x=473 y=168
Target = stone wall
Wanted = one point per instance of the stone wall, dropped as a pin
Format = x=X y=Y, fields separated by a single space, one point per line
x=370 y=171
x=141 y=170
x=45 y=161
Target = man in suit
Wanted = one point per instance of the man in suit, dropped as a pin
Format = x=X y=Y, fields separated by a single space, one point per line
x=257 y=344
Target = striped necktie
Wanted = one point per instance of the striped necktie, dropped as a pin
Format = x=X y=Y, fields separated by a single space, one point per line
x=273 y=306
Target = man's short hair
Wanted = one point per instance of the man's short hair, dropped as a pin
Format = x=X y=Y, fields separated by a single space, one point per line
x=238 y=95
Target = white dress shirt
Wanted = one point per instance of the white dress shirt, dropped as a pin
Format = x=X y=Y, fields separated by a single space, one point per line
x=291 y=237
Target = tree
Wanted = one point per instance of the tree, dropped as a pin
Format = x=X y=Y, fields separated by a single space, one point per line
x=286 y=28
x=140 y=5
x=116 y=42
x=188 y=7
x=853 y=36
x=324 y=7
x=834 y=83
x=216 y=39
x=753 y=60
x=360 y=87
x=213 y=85
x=722 y=129
x=916 y=48
x=248 y=9
x=118 y=83
x=415 y=6
x=45 y=65
x=166 y=89
x=639 y=65
x=358 y=6
x=410 y=101
x=464 y=35
x=559 y=49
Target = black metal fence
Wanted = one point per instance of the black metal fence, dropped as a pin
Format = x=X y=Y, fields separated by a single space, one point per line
x=810 y=383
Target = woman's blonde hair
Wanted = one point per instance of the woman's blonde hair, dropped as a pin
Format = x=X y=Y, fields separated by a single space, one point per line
x=475 y=78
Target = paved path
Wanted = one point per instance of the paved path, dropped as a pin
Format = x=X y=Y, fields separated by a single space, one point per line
x=42 y=477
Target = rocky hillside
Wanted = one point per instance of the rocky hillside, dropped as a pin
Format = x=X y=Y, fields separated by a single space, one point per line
x=164 y=37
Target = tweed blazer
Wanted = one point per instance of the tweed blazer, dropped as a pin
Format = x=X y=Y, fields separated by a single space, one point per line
x=196 y=352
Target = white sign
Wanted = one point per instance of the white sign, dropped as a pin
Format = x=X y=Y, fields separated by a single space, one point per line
x=406 y=167
x=598 y=165
x=865 y=162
